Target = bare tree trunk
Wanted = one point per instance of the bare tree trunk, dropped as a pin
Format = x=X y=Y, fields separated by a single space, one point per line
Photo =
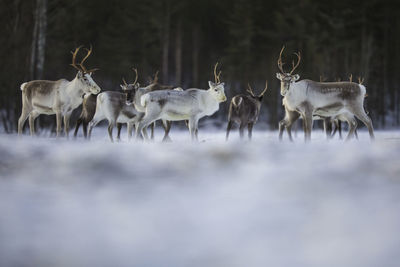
x=38 y=40
x=165 y=41
x=195 y=54
x=41 y=45
x=33 y=46
x=178 y=54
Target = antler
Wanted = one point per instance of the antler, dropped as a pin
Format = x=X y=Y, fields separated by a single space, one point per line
x=136 y=78
x=298 y=62
x=265 y=89
x=351 y=77
x=125 y=83
x=155 y=80
x=360 y=80
x=73 y=64
x=216 y=77
x=280 y=63
x=89 y=51
x=249 y=89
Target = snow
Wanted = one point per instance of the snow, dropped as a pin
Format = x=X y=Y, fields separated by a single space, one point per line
x=212 y=203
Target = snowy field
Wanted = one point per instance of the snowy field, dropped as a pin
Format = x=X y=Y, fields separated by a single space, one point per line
x=212 y=203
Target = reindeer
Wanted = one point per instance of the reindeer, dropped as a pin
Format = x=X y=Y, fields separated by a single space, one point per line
x=328 y=99
x=89 y=108
x=135 y=96
x=244 y=110
x=113 y=106
x=173 y=105
x=56 y=97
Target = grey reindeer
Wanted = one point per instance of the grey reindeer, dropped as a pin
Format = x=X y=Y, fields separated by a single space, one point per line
x=113 y=107
x=244 y=110
x=328 y=99
x=89 y=108
x=59 y=97
x=133 y=98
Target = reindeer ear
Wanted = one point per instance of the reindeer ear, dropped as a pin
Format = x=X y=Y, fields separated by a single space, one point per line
x=211 y=84
x=223 y=84
x=278 y=75
x=295 y=77
x=122 y=87
x=79 y=74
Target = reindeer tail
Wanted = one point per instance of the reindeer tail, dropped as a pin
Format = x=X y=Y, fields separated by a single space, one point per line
x=23 y=86
x=236 y=101
x=144 y=99
x=363 y=89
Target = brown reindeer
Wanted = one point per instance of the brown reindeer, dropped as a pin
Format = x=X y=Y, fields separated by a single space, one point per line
x=244 y=110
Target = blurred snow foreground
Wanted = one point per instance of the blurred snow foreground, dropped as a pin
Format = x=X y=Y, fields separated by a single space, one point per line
x=260 y=203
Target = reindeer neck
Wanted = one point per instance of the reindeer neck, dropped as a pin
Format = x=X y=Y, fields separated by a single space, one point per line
x=74 y=88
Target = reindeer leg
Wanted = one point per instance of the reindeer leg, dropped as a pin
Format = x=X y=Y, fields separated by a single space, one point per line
x=119 y=127
x=78 y=124
x=362 y=116
x=327 y=127
x=335 y=123
x=292 y=118
x=282 y=126
x=308 y=122
x=167 y=127
x=110 y=129
x=58 y=122
x=66 y=124
x=152 y=130
x=250 y=130
x=193 y=124
x=85 y=127
x=352 y=127
x=241 y=130
x=24 y=115
x=129 y=130
x=32 y=118
x=96 y=119
x=228 y=129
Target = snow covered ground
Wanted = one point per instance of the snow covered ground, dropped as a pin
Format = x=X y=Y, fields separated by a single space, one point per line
x=260 y=203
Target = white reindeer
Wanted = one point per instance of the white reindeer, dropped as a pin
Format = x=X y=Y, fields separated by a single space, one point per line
x=56 y=97
x=173 y=105
x=324 y=99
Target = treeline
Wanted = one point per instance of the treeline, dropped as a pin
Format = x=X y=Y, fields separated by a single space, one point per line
x=183 y=39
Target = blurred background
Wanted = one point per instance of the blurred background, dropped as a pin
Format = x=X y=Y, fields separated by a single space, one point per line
x=183 y=39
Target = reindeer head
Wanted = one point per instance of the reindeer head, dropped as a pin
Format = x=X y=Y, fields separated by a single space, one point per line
x=287 y=78
x=257 y=97
x=130 y=89
x=217 y=88
x=84 y=76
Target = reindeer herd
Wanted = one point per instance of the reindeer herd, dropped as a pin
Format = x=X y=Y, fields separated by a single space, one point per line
x=140 y=107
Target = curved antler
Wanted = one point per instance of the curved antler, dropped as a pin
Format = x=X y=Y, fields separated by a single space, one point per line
x=125 y=83
x=73 y=64
x=89 y=51
x=298 y=62
x=250 y=90
x=280 y=63
x=136 y=78
x=155 y=80
x=351 y=77
x=216 y=77
x=265 y=89
x=360 y=80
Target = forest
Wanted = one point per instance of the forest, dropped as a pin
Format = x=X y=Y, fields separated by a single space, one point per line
x=184 y=39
